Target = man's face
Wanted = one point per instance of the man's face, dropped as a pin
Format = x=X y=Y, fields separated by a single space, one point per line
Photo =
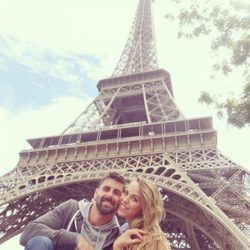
x=107 y=196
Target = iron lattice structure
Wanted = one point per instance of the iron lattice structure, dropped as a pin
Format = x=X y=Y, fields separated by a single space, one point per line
x=135 y=127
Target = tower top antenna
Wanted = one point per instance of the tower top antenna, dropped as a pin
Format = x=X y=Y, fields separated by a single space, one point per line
x=139 y=54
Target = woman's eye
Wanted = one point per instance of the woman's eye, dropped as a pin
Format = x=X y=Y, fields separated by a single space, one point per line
x=134 y=199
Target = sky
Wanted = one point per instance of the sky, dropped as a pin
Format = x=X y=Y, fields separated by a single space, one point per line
x=53 y=53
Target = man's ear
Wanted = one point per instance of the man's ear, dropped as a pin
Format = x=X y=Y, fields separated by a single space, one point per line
x=96 y=190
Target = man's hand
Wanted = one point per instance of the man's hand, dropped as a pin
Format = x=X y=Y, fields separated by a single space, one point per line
x=82 y=244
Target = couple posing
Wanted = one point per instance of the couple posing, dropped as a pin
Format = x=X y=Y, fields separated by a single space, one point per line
x=93 y=225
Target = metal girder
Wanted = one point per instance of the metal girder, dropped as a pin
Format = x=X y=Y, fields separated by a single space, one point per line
x=160 y=168
x=184 y=200
x=150 y=100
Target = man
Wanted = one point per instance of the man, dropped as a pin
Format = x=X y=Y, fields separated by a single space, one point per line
x=80 y=225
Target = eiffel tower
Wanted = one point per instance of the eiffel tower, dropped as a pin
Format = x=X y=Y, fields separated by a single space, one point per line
x=135 y=127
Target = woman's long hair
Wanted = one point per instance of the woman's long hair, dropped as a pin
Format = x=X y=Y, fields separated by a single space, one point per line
x=150 y=218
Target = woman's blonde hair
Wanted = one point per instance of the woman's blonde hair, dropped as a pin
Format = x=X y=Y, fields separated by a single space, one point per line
x=150 y=218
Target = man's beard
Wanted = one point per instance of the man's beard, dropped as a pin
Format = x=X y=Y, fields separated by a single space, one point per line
x=102 y=208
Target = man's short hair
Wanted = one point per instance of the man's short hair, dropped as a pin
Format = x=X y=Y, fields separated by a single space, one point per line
x=114 y=176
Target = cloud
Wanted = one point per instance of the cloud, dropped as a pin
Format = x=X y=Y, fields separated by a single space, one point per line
x=16 y=127
x=42 y=61
x=32 y=76
x=63 y=41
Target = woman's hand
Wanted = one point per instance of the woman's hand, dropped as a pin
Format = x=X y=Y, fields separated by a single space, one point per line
x=128 y=238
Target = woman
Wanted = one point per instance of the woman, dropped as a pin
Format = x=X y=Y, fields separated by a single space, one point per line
x=142 y=207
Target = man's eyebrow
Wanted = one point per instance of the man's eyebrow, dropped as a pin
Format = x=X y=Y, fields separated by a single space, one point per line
x=117 y=190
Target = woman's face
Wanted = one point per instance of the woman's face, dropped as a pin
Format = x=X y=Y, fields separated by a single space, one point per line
x=130 y=205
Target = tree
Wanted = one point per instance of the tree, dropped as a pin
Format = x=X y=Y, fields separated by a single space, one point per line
x=227 y=24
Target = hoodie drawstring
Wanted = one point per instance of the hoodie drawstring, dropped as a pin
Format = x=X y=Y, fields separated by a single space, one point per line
x=98 y=237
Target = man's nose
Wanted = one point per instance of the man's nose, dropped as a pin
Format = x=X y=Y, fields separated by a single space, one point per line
x=110 y=195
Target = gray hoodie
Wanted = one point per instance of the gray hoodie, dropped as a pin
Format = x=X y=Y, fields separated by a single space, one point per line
x=98 y=236
x=64 y=224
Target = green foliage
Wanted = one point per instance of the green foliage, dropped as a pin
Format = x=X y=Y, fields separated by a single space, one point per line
x=227 y=23
x=237 y=110
x=206 y=98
